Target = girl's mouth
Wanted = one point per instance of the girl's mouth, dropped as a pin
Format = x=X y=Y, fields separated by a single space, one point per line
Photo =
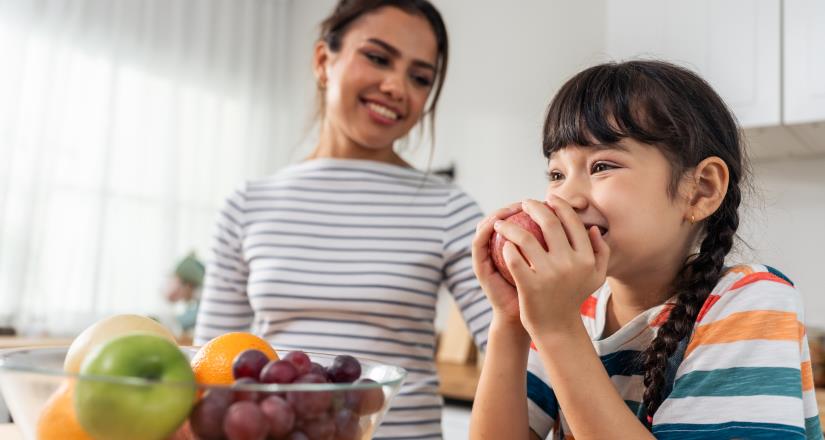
x=602 y=229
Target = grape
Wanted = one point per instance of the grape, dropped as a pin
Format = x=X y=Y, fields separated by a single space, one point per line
x=300 y=360
x=344 y=368
x=320 y=428
x=366 y=401
x=245 y=421
x=249 y=363
x=279 y=372
x=206 y=419
x=241 y=394
x=316 y=368
x=346 y=425
x=279 y=415
x=309 y=404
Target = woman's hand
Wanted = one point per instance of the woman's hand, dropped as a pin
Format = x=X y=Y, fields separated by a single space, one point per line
x=501 y=294
x=553 y=284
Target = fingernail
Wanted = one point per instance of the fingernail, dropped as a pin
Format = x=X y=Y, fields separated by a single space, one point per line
x=497 y=224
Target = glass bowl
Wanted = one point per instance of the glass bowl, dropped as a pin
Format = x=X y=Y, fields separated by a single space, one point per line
x=39 y=395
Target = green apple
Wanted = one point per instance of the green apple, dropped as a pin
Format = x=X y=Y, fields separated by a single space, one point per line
x=139 y=387
x=106 y=329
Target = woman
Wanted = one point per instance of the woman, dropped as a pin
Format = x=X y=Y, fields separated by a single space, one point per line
x=345 y=252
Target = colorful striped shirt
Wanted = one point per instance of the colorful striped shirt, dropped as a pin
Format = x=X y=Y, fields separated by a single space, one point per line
x=347 y=257
x=746 y=370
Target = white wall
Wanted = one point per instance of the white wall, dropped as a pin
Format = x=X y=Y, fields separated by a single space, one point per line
x=785 y=225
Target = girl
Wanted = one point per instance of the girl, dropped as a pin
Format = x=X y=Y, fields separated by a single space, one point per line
x=645 y=165
x=345 y=252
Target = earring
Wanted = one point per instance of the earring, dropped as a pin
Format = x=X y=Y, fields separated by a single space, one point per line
x=692 y=219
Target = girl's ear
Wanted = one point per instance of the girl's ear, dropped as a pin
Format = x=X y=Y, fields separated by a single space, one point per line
x=710 y=184
x=320 y=58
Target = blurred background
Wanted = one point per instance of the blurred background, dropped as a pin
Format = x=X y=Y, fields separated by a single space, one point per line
x=125 y=123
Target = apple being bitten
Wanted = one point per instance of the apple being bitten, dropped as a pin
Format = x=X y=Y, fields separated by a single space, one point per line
x=152 y=407
x=497 y=241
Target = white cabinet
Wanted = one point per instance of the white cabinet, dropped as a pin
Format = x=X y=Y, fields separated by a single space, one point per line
x=733 y=44
x=804 y=53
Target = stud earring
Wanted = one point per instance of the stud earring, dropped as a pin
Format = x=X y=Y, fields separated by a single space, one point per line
x=692 y=219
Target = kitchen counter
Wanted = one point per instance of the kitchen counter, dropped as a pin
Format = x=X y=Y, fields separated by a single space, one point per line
x=10 y=432
x=22 y=341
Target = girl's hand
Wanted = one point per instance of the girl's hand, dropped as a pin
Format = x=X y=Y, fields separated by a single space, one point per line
x=502 y=294
x=553 y=284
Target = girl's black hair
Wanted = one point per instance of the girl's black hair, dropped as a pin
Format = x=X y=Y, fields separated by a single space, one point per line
x=335 y=26
x=675 y=110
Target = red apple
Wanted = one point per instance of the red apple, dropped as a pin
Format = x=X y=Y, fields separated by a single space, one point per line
x=497 y=242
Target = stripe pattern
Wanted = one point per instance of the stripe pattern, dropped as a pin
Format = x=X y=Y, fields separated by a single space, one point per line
x=746 y=372
x=347 y=257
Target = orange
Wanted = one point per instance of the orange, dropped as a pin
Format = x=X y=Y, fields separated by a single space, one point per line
x=212 y=364
x=57 y=419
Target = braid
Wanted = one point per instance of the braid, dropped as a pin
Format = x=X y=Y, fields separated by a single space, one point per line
x=693 y=284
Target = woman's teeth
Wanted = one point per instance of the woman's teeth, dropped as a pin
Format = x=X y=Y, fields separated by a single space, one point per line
x=383 y=111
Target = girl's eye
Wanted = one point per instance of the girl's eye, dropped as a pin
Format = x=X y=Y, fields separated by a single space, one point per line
x=422 y=81
x=378 y=60
x=554 y=176
x=601 y=166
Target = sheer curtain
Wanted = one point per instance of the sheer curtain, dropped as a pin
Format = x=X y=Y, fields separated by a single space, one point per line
x=123 y=125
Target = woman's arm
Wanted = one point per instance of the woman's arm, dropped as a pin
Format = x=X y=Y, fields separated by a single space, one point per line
x=500 y=406
x=224 y=305
x=459 y=278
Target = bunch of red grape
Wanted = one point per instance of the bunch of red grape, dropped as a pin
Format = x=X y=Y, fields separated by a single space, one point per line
x=243 y=412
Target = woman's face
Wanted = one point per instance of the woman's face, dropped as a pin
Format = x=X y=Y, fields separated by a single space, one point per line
x=376 y=86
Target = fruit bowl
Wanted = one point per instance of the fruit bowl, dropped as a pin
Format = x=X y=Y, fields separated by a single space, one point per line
x=42 y=400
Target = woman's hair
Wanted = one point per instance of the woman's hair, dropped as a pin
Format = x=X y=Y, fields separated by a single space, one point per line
x=335 y=26
x=675 y=110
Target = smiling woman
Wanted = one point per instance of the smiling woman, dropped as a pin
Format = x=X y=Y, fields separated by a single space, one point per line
x=345 y=252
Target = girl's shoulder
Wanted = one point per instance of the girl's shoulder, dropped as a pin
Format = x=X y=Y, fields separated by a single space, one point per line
x=750 y=292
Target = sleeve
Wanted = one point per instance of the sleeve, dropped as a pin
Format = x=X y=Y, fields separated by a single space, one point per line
x=462 y=216
x=542 y=405
x=224 y=304
x=746 y=371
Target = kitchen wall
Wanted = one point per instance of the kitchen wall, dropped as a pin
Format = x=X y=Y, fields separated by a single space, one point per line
x=783 y=223
x=505 y=64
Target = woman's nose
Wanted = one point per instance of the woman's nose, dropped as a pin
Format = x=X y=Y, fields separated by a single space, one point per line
x=393 y=86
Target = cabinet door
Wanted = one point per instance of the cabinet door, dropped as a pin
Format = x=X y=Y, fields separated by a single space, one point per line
x=804 y=49
x=733 y=44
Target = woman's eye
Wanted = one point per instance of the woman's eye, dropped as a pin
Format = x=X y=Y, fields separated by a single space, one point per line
x=376 y=59
x=554 y=176
x=602 y=166
x=423 y=81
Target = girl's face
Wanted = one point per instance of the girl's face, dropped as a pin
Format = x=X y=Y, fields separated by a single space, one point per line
x=376 y=86
x=622 y=188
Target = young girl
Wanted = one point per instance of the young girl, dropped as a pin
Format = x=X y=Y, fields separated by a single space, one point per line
x=645 y=165
x=345 y=252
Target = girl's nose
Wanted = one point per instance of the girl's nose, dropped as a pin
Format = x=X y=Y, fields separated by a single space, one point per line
x=573 y=194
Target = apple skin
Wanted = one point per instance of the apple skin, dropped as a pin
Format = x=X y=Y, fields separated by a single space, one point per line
x=115 y=409
x=497 y=241
x=106 y=329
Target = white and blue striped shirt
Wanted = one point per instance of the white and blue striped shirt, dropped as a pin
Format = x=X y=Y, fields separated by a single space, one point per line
x=346 y=257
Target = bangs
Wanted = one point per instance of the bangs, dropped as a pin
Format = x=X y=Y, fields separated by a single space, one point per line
x=603 y=105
